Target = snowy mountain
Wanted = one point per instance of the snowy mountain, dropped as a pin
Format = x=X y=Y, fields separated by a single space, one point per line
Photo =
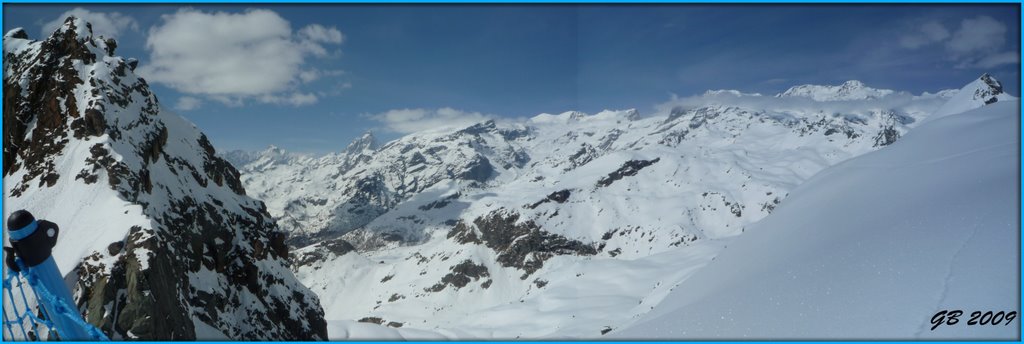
x=567 y=225
x=157 y=231
x=874 y=246
x=850 y=90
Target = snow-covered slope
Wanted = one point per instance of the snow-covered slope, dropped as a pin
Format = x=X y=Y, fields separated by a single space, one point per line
x=564 y=225
x=157 y=231
x=873 y=247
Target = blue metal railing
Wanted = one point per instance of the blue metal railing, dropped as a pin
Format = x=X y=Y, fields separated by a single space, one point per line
x=47 y=310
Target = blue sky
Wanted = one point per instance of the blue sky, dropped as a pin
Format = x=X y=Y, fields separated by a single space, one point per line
x=310 y=78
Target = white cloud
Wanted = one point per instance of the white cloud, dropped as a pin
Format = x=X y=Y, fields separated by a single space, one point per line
x=294 y=99
x=311 y=75
x=188 y=103
x=981 y=34
x=109 y=25
x=978 y=43
x=927 y=33
x=308 y=76
x=993 y=60
x=321 y=34
x=406 y=121
x=233 y=57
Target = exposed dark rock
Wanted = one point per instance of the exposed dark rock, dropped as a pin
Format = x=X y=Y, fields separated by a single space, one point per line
x=608 y=235
x=480 y=169
x=674 y=138
x=322 y=251
x=115 y=247
x=461 y=275
x=886 y=137
x=735 y=209
x=629 y=168
x=557 y=197
x=479 y=128
x=218 y=169
x=770 y=206
x=701 y=116
x=339 y=247
x=994 y=89
x=19 y=33
x=845 y=130
x=584 y=155
x=111 y=46
x=464 y=234
x=373 y=320
x=515 y=242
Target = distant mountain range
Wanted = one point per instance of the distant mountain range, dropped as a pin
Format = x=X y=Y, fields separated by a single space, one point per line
x=567 y=224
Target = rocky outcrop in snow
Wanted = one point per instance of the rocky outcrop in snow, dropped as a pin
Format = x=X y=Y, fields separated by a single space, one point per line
x=983 y=91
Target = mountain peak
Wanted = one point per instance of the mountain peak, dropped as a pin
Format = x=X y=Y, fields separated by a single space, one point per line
x=853 y=84
x=74 y=26
x=993 y=85
x=849 y=90
x=985 y=89
x=272 y=150
x=74 y=39
x=365 y=142
x=982 y=91
x=17 y=32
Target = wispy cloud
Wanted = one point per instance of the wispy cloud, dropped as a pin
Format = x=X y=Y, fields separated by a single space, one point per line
x=406 y=121
x=294 y=99
x=236 y=57
x=311 y=75
x=982 y=34
x=927 y=33
x=188 y=103
x=321 y=34
x=996 y=60
x=977 y=42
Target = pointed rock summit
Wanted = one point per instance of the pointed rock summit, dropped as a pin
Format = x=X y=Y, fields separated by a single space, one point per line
x=980 y=92
x=17 y=32
x=365 y=144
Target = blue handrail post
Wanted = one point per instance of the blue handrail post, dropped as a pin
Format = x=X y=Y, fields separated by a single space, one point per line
x=33 y=242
